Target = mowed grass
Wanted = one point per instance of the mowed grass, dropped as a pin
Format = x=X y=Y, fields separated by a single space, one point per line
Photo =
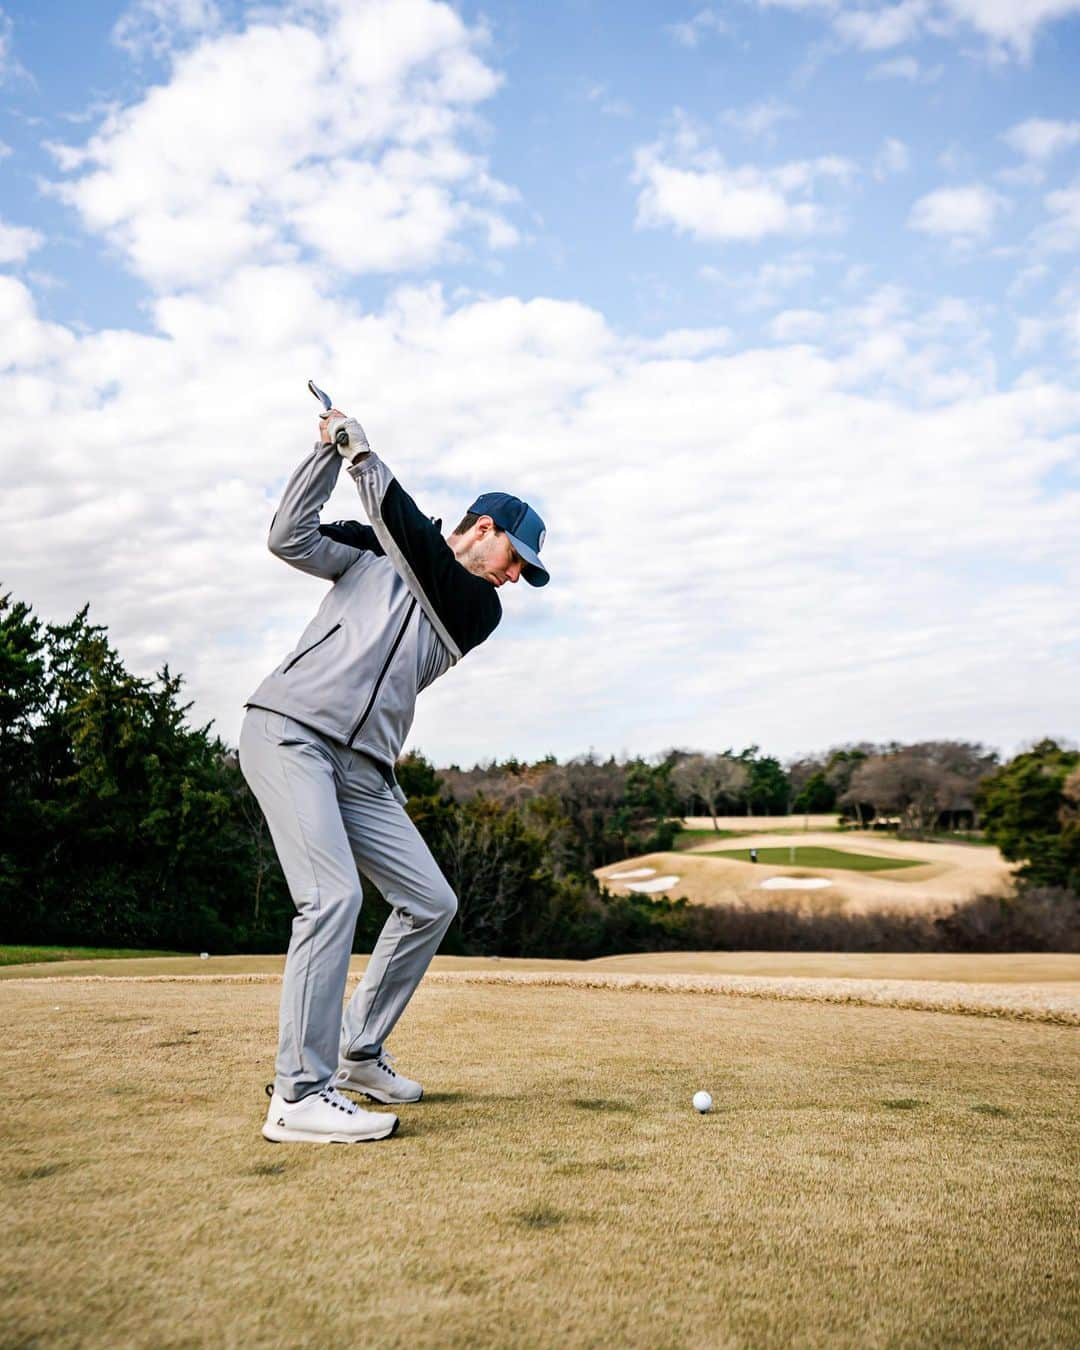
x=689 y=838
x=19 y=955
x=810 y=856
x=870 y=1176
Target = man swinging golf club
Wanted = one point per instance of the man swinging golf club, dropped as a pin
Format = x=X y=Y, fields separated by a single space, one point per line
x=319 y=741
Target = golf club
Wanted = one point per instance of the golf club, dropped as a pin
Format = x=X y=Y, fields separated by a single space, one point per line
x=342 y=437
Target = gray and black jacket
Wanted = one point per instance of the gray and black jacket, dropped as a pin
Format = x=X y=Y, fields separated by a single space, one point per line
x=402 y=609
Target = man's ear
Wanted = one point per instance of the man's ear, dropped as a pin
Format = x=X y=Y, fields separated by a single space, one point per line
x=484 y=526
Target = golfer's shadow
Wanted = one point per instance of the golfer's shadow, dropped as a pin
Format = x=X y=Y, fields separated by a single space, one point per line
x=416 y=1121
x=445 y=1098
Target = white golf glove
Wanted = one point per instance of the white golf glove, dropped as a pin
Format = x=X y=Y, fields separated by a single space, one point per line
x=353 y=443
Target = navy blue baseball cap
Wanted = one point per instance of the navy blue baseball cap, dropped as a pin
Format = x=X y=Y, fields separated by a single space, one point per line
x=524 y=528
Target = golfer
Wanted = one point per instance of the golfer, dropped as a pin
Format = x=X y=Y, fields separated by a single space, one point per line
x=319 y=741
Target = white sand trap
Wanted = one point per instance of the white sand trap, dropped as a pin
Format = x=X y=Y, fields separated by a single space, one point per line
x=795 y=884
x=634 y=872
x=657 y=884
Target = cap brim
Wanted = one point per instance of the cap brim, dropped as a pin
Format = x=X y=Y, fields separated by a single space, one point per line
x=534 y=571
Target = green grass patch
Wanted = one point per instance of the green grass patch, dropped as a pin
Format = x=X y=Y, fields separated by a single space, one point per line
x=21 y=956
x=809 y=855
x=689 y=838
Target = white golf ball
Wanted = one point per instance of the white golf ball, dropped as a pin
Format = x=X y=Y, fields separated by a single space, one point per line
x=702 y=1102
x=204 y=956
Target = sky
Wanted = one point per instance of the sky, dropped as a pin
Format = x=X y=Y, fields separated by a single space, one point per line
x=770 y=308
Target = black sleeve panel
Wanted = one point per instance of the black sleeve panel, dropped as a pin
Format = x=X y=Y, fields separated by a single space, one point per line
x=467 y=604
x=354 y=533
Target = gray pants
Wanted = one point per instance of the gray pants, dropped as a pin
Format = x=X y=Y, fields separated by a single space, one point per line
x=329 y=809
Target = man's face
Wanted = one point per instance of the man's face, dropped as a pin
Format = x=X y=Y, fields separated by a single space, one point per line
x=488 y=553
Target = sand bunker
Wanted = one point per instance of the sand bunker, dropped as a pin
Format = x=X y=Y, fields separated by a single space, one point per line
x=794 y=884
x=657 y=884
x=634 y=872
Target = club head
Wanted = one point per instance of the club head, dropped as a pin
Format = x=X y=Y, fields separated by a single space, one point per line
x=324 y=399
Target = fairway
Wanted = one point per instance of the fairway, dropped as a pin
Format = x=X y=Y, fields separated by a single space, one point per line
x=870 y=1175
x=866 y=872
x=20 y=955
x=811 y=855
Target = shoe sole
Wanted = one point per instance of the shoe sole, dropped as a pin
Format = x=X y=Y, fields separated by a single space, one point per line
x=374 y=1095
x=278 y=1134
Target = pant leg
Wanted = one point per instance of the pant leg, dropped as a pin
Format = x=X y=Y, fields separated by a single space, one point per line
x=294 y=774
x=391 y=851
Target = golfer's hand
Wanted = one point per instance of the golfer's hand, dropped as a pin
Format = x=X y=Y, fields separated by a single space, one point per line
x=356 y=446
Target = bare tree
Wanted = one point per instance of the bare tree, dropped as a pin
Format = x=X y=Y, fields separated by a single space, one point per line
x=710 y=778
x=919 y=783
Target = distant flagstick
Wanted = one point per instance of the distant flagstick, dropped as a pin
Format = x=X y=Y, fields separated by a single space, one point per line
x=342 y=437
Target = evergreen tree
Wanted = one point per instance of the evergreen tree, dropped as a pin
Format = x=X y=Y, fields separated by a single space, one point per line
x=22 y=702
x=1025 y=811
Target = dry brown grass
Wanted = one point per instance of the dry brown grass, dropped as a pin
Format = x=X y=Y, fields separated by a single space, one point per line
x=870 y=1177
x=975 y=968
x=952 y=872
x=815 y=821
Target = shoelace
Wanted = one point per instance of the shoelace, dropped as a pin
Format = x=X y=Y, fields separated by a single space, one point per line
x=385 y=1060
x=333 y=1097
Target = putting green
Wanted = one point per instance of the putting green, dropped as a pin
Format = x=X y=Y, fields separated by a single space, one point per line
x=808 y=855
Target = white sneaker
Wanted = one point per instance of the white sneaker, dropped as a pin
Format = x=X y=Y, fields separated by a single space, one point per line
x=324 y=1117
x=376 y=1079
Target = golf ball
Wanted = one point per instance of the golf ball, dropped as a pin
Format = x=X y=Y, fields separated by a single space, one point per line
x=204 y=956
x=702 y=1102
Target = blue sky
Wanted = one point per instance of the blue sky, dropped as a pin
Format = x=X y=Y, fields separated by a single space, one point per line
x=772 y=309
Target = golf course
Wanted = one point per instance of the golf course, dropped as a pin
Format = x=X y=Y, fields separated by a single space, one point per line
x=849 y=871
x=873 y=1172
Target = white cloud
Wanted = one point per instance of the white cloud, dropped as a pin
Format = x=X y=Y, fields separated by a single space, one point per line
x=759 y=118
x=6 y=30
x=893 y=158
x=862 y=463
x=899 y=68
x=688 y=186
x=861 y=454
x=1009 y=27
x=690 y=31
x=609 y=105
x=1040 y=138
x=10 y=69
x=154 y=27
x=962 y=212
x=795 y=325
x=1031 y=334
x=906 y=68
x=17 y=242
x=366 y=170
x=876 y=29
x=1061 y=232
x=762 y=287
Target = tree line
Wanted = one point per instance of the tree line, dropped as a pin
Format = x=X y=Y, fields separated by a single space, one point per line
x=125 y=825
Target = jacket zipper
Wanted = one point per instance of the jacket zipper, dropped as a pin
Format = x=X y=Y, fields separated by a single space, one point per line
x=382 y=673
x=298 y=655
